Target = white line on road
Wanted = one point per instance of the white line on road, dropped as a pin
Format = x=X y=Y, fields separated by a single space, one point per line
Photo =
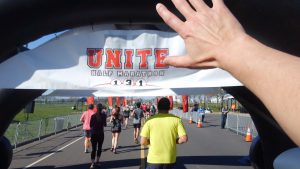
x=32 y=164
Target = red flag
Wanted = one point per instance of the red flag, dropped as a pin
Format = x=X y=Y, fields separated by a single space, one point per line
x=118 y=101
x=124 y=102
x=185 y=104
x=171 y=102
x=90 y=100
x=110 y=101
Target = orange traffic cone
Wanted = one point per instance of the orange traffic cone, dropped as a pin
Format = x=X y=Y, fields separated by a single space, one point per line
x=199 y=123
x=248 y=137
x=191 y=120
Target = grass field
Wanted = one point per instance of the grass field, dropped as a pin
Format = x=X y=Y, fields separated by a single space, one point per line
x=212 y=106
x=42 y=111
x=30 y=130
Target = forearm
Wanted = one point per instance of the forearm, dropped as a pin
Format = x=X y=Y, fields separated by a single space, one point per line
x=145 y=141
x=214 y=38
x=181 y=140
x=271 y=75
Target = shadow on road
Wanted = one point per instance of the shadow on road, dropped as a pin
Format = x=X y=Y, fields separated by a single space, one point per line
x=180 y=164
x=42 y=153
x=212 y=160
x=104 y=165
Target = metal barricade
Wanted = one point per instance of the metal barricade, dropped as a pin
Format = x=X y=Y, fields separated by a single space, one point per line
x=236 y=122
x=21 y=132
x=186 y=115
x=240 y=123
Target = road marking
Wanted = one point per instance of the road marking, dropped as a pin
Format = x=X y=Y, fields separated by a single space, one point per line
x=143 y=162
x=143 y=157
x=32 y=164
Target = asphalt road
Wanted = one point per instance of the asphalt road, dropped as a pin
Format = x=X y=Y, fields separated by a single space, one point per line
x=208 y=148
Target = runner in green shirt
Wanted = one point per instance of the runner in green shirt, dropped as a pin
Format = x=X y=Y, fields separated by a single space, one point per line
x=162 y=132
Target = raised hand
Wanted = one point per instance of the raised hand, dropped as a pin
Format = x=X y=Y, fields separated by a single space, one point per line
x=207 y=32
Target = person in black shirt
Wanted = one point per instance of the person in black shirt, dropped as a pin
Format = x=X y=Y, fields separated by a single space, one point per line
x=117 y=120
x=224 y=116
x=98 y=122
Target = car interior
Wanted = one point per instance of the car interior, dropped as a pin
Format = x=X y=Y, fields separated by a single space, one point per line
x=273 y=22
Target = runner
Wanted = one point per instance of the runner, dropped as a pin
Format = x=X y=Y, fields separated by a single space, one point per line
x=126 y=114
x=85 y=119
x=98 y=122
x=152 y=110
x=147 y=113
x=162 y=132
x=116 y=119
x=137 y=115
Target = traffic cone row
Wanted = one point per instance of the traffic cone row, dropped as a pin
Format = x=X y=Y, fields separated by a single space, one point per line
x=248 y=137
x=199 y=125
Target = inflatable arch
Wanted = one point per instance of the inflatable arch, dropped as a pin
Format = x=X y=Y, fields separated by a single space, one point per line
x=274 y=22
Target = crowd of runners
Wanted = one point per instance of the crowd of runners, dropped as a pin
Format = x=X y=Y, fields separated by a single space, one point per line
x=98 y=116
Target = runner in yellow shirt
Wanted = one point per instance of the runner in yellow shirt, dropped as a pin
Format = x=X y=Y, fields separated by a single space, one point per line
x=162 y=132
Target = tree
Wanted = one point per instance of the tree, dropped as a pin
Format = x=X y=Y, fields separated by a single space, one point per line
x=220 y=95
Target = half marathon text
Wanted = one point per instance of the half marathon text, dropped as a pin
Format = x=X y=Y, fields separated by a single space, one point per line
x=125 y=73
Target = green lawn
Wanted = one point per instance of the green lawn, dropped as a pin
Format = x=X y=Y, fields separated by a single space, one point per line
x=42 y=111
x=213 y=106
x=30 y=130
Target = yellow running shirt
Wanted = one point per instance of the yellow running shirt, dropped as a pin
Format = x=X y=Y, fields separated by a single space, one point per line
x=162 y=130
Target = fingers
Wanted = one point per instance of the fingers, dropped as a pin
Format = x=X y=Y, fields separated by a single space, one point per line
x=179 y=61
x=170 y=19
x=184 y=8
x=199 y=5
x=217 y=4
x=188 y=62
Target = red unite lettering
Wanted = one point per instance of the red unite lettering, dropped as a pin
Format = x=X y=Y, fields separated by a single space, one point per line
x=160 y=55
x=94 y=57
x=128 y=58
x=113 y=58
x=143 y=54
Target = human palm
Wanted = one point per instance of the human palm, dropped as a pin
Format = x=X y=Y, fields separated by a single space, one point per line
x=207 y=32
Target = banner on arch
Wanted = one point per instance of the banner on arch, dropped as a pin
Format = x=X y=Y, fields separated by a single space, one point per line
x=103 y=59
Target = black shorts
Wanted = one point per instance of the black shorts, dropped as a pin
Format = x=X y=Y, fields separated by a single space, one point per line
x=160 y=166
x=136 y=125
x=87 y=133
x=117 y=131
x=126 y=116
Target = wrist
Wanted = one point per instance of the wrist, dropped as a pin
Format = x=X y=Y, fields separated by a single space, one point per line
x=230 y=53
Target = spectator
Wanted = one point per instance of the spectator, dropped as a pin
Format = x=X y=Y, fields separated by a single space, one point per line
x=224 y=112
x=201 y=111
